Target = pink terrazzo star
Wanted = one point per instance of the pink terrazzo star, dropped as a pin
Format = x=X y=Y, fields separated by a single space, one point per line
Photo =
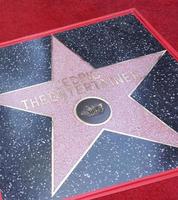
x=71 y=138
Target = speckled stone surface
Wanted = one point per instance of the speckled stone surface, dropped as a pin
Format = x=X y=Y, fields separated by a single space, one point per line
x=118 y=158
x=159 y=91
x=25 y=155
x=111 y=41
x=25 y=64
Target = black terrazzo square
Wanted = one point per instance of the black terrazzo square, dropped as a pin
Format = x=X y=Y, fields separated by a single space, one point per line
x=111 y=41
x=159 y=91
x=25 y=64
x=115 y=158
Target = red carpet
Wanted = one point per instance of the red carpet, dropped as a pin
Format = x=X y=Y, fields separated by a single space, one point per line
x=21 y=18
x=164 y=190
x=155 y=188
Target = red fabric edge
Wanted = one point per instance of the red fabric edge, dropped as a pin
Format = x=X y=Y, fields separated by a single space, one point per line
x=127 y=186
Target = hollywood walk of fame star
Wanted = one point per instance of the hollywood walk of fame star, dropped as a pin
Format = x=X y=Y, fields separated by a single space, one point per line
x=71 y=138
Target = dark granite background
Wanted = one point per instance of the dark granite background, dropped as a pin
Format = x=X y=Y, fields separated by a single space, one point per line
x=25 y=155
x=25 y=64
x=116 y=158
x=111 y=41
x=159 y=91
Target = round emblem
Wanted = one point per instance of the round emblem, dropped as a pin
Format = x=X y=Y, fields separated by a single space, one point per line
x=93 y=111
